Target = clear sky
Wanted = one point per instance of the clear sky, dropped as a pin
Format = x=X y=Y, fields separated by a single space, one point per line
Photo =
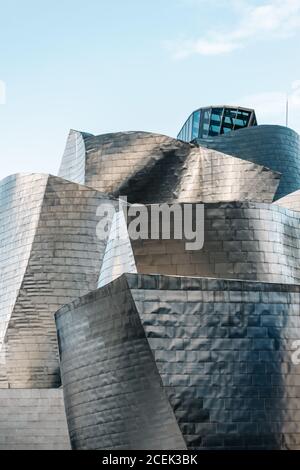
x=104 y=66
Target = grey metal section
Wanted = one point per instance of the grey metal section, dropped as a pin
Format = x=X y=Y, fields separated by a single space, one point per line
x=52 y=223
x=113 y=393
x=241 y=241
x=189 y=362
x=274 y=147
x=118 y=258
x=33 y=420
x=73 y=161
x=291 y=201
x=152 y=168
x=21 y=199
x=211 y=176
x=223 y=350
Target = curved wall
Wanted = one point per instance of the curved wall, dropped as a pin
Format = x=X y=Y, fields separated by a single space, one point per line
x=113 y=393
x=118 y=257
x=33 y=420
x=51 y=228
x=291 y=201
x=274 y=147
x=241 y=241
x=21 y=199
x=219 y=352
x=259 y=242
x=73 y=160
x=152 y=168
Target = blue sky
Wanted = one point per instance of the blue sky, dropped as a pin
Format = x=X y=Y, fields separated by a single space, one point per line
x=104 y=66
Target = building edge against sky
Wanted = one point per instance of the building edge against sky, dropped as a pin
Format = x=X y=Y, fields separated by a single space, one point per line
x=217 y=351
x=216 y=120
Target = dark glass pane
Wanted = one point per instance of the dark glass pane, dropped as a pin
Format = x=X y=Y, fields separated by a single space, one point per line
x=196 y=122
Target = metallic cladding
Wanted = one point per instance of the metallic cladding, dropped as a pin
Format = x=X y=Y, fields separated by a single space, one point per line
x=274 y=147
x=113 y=392
x=151 y=168
x=221 y=350
x=52 y=224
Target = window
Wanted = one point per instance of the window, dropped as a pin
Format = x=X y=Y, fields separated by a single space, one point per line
x=196 y=124
x=207 y=122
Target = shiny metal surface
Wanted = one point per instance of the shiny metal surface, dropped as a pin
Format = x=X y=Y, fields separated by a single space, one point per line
x=255 y=241
x=152 y=168
x=291 y=201
x=33 y=419
x=219 y=351
x=274 y=147
x=118 y=257
x=73 y=161
x=21 y=199
x=50 y=255
x=180 y=361
x=113 y=392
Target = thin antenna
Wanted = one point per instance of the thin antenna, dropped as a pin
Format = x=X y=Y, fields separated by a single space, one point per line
x=287 y=112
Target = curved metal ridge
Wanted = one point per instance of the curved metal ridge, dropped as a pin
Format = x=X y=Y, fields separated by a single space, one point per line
x=218 y=351
x=274 y=147
x=151 y=168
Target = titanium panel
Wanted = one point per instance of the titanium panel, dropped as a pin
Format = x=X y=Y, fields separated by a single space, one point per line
x=151 y=168
x=274 y=147
x=113 y=393
x=291 y=201
x=52 y=225
x=222 y=348
x=33 y=420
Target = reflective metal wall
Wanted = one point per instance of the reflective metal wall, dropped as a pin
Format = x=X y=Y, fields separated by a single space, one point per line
x=151 y=168
x=20 y=205
x=274 y=147
x=51 y=255
x=219 y=351
x=73 y=161
x=291 y=201
x=241 y=241
x=33 y=419
x=153 y=362
x=113 y=392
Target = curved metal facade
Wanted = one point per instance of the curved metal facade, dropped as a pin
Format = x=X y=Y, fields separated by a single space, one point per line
x=113 y=392
x=33 y=420
x=151 y=168
x=194 y=349
x=274 y=147
x=291 y=201
x=20 y=205
x=73 y=161
x=241 y=241
x=254 y=241
x=216 y=362
x=55 y=221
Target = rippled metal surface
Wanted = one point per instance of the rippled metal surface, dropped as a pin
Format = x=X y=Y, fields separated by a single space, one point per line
x=113 y=392
x=155 y=361
x=241 y=241
x=275 y=147
x=33 y=419
x=50 y=254
x=152 y=168
x=221 y=350
x=291 y=201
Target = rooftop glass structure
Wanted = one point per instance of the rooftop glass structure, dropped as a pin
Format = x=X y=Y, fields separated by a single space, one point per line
x=213 y=121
